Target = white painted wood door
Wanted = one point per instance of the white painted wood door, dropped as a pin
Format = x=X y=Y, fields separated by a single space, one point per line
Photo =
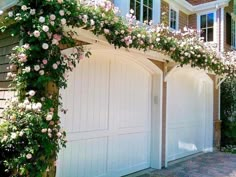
x=189 y=116
x=108 y=118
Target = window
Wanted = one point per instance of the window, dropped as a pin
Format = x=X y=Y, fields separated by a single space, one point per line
x=207 y=27
x=173 y=19
x=143 y=9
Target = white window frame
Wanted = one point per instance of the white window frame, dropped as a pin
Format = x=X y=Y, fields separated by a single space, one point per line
x=141 y=10
x=177 y=17
x=215 y=38
x=124 y=5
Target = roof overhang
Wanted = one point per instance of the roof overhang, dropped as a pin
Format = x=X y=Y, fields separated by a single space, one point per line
x=189 y=9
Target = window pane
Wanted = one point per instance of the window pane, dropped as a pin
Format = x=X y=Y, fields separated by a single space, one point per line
x=145 y=13
x=173 y=14
x=149 y=14
x=203 y=34
x=210 y=20
x=132 y=4
x=210 y=34
x=173 y=24
x=203 y=21
x=145 y=2
x=150 y=3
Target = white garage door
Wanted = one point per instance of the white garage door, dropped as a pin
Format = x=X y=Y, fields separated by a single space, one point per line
x=190 y=114
x=108 y=122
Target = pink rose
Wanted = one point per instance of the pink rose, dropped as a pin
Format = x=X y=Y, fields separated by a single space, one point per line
x=45 y=61
x=22 y=58
x=57 y=37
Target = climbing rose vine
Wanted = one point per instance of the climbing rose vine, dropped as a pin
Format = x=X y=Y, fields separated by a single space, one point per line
x=31 y=135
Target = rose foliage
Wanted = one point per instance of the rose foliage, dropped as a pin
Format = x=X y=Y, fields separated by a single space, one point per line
x=31 y=131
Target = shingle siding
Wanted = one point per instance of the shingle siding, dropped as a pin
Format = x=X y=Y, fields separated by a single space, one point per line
x=164 y=12
x=7 y=42
x=183 y=20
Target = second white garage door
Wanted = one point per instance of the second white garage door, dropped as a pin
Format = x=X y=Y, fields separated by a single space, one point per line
x=189 y=113
x=108 y=122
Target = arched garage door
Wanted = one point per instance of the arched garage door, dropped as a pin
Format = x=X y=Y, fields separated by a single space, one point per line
x=109 y=119
x=189 y=113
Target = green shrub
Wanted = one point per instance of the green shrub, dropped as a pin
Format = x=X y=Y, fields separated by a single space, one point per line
x=228 y=113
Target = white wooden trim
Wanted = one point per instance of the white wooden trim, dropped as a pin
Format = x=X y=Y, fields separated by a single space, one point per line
x=188 y=8
x=222 y=21
x=172 y=7
x=215 y=36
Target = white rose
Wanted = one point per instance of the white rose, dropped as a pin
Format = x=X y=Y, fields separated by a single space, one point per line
x=36 y=33
x=54 y=66
x=21 y=133
x=36 y=67
x=29 y=156
x=28 y=107
x=27 y=69
x=10 y=14
x=24 y=8
x=21 y=106
x=45 y=28
x=31 y=93
x=59 y=134
x=92 y=22
x=44 y=130
x=41 y=19
x=45 y=46
x=13 y=135
x=32 y=11
x=49 y=117
x=34 y=107
x=52 y=17
x=26 y=102
x=63 y=21
x=39 y=105
x=41 y=72
x=61 y=12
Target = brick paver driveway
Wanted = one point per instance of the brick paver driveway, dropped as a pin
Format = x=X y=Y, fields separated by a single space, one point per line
x=216 y=164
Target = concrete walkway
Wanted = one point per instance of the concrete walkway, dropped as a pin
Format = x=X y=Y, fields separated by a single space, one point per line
x=216 y=164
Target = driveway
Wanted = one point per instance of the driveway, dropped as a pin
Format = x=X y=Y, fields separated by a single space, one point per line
x=216 y=164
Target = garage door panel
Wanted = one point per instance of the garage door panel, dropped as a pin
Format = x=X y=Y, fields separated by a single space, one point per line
x=130 y=99
x=184 y=141
x=82 y=158
x=108 y=121
x=130 y=151
x=88 y=104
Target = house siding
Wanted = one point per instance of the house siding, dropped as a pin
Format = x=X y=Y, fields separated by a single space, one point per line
x=7 y=42
x=164 y=12
x=183 y=20
x=192 y=21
